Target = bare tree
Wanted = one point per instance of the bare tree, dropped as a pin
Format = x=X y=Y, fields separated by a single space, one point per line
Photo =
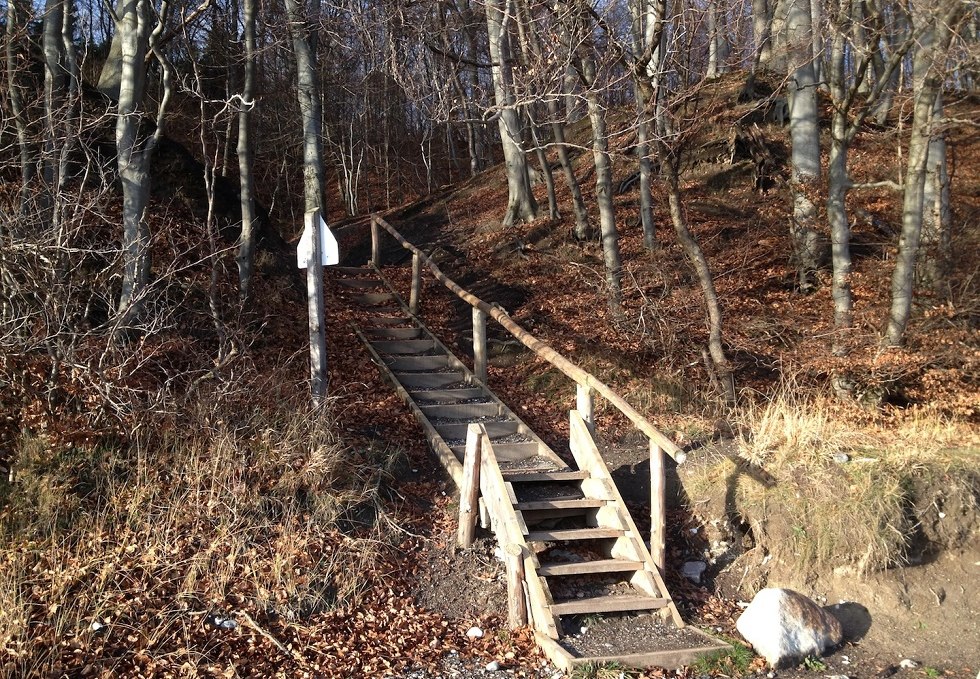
x=521 y=206
x=246 y=247
x=16 y=28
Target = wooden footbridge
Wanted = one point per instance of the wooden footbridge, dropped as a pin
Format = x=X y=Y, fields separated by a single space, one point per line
x=555 y=522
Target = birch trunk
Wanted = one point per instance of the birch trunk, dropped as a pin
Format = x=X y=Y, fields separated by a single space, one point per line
x=17 y=20
x=936 y=255
x=805 y=139
x=929 y=73
x=521 y=206
x=246 y=246
x=761 y=26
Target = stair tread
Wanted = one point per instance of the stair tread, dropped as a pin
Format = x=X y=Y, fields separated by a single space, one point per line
x=573 y=534
x=518 y=476
x=586 y=567
x=560 y=503
x=607 y=604
x=361 y=283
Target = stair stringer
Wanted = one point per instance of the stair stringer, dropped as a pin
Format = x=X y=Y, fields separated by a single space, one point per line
x=615 y=515
x=510 y=529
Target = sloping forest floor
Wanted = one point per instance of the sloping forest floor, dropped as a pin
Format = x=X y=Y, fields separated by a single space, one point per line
x=237 y=532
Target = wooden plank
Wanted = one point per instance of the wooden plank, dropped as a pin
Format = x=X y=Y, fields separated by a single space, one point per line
x=446 y=395
x=410 y=346
x=585 y=404
x=469 y=492
x=516 y=452
x=570 y=534
x=416 y=291
x=387 y=320
x=354 y=270
x=517 y=476
x=494 y=429
x=658 y=507
x=394 y=333
x=608 y=604
x=588 y=567
x=585 y=503
x=461 y=411
x=416 y=381
x=419 y=363
x=360 y=283
x=516 y=605
x=375 y=243
x=375 y=298
x=671 y=659
x=480 y=345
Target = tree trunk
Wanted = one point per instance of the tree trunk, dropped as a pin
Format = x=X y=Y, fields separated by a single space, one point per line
x=133 y=158
x=936 y=257
x=761 y=26
x=699 y=263
x=521 y=206
x=549 y=179
x=246 y=245
x=54 y=96
x=603 y=178
x=928 y=64
x=837 y=180
x=17 y=20
x=805 y=137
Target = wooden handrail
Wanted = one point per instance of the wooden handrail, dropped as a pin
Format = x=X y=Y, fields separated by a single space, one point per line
x=540 y=348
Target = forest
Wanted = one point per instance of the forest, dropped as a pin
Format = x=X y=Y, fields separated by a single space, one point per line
x=758 y=220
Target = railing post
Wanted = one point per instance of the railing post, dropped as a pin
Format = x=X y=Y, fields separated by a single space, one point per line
x=658 y=506
x=413 y=299
x=314 y=295
x=585 y=404
x=470 y=492
x=480 y=345
x=516 y=604
x=375 y=243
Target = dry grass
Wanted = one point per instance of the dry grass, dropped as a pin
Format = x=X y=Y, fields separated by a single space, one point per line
x=825 y=485
x=189 y=522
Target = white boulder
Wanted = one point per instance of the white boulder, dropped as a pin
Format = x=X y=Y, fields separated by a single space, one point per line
x=784 y=626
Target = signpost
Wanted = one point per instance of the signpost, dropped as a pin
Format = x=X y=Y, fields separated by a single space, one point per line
x=317 y=248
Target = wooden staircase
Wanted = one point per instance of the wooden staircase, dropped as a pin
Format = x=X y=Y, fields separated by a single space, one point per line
x=580 y=551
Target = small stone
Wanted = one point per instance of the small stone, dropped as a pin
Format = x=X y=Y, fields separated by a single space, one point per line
x=771 y=675
x=907 y=664
x=492 y=666
x=583 y=630
x=509 y=655
x=474 y=633
x=841 y=458
x=693 y=570
x=96 y=626
x=837 y=676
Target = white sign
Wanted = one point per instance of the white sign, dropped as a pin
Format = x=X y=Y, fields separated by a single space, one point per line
x=329 y=250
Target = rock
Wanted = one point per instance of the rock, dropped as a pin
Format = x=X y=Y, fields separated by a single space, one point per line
x=492 y=666
x=474 y=633
x=784 y=626
x=907 y=664
x=693 y=570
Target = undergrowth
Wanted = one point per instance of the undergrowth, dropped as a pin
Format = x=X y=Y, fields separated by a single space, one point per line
x=217 y=516
x=822 y=485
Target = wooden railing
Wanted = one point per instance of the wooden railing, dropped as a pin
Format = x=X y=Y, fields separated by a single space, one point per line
x=587 y=385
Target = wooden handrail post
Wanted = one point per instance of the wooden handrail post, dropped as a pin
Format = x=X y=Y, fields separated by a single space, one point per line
x=585 y=405
x=375 y=243
x=413 y=298
x=516 y=604
x=658 y=506
x=480 y=344
x=317 y=319
x=469 y=494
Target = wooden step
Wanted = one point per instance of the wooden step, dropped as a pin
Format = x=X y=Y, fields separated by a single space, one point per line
x=374 y=298
x=565 y=535
x=586 y=503
x=414 y=381
x=511 y=452
x=394 y=333
x=461 y=411
x=387 y=320
x=361 y=283
x=589 y=567
x=517 y=476
x=365 y=272
x=452 y=431
x=607 y=604
x=409 y=346
x=444 y=395
x=420 y=363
